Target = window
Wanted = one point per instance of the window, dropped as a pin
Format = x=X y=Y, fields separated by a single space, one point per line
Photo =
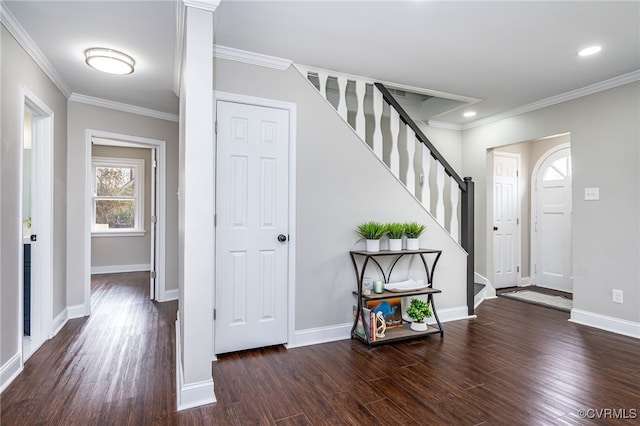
x=559 y=170
x=118 y=199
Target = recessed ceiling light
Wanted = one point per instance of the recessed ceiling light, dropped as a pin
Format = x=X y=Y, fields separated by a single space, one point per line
x=588 y=51
x=469 y=114
x=109 y=61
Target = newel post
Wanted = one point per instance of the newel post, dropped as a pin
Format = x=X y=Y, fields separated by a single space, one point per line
x=466 y=239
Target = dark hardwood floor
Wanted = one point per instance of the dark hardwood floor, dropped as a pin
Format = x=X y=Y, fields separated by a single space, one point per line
x=517 y=364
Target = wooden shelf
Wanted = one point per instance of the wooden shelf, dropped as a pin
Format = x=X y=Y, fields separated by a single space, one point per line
x=391 y=294
x=399 y=333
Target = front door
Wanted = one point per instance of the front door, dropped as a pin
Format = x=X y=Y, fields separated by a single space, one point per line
x=505 y=220
x=252 y=205
x=553 y=222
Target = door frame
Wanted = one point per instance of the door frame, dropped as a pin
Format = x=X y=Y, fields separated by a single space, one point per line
x=534 y=207
x=291 y=258
x=42 y=286
x=490 y=212
x=118 y=139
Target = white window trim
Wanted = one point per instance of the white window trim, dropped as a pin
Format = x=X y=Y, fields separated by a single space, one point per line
x=138 y=165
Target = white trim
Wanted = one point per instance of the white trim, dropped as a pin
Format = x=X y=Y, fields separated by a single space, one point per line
x=190 y=395
x=534 y=208
x=60 y=320
x=172 y=294
x=607 y=323
x=75 y=311
x=10 y=370
x=115 y=269
x=23 y=38
x=119 y=106
x=117 y=233
x=231 y=54
x=292 y=108
x=161 y=193
x=444 y=125
x=210 y=5
x=554 y=100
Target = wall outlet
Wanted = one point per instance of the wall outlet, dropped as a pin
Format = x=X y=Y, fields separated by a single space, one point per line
x=616 y=296
x=592 y=194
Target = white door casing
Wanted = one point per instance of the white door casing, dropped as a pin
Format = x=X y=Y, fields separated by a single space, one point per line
x=152 y=226
x=506 y=227
x=551 y=210
x=252 y=199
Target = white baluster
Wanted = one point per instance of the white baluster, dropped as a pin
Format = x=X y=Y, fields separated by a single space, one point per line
x=455 y=199
x=394 y=156
x=360 y=120
x=322 y=78
x=426 y=171
x=342 y=101
x=440 y=193
x=377 y=115
x=411 y=150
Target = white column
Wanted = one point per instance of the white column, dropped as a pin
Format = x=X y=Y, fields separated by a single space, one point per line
x=411 y=151
x=454 y=230
x=426 y=185
x=394 y=156
x=360 y=120
x=322 y=78
x=196 y=209
x=342 y=100
x=377 y=115
x=440 y=193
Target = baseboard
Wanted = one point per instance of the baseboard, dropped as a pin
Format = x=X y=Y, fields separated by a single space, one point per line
x=114 y=269
x=190 y=395
x=59 y=321
x=314 y=336
x=525 y=281
x=76 y=311
x=170 y=295
x=480 y=279
x=9 y=371
x=607 y=323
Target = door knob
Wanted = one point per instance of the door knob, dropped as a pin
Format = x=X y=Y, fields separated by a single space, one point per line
x=282 y=238
x=495 y=228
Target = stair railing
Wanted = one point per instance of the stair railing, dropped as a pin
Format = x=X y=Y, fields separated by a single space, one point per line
x=361 y=101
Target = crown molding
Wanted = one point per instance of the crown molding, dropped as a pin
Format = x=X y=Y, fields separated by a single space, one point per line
x=118 y=106
x=13 y=26
x=210 y=5
x=444 y=125
x=223 y=52
x=563 y=97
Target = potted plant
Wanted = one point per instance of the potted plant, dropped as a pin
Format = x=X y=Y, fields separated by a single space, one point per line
x=413 y=230
x=371 y=232
x=419 y=310
x=394 y=232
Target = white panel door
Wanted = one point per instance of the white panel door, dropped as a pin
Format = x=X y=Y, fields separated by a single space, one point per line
x=252 y=218
x=553 y=222
x=505 y=220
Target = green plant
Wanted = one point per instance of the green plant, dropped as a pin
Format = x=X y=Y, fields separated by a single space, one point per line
x=414 y=229
x=371 y=230
x=419 y=309
x=394 y=230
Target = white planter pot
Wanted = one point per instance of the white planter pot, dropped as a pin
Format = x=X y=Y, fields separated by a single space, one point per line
x=395 y=244
x=372 y=245
x=419 y=326
x=413 y=243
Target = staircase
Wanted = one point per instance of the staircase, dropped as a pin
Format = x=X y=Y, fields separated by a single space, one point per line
x=397 y=140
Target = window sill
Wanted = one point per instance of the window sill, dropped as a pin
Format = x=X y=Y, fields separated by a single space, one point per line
x=127 y=233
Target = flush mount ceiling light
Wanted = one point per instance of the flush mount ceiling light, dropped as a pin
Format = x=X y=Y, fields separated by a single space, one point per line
x=109 y=61
x=469 y=114
x=588 y=51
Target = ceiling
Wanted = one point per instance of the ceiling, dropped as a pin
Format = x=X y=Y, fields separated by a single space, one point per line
x=508 y=54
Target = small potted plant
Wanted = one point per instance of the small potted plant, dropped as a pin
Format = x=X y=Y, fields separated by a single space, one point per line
x=371 y=232
x=394 y=232
x=419 y=311
x=413 y=230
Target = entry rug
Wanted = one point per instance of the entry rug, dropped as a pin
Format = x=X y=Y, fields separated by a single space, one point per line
x=555 y=302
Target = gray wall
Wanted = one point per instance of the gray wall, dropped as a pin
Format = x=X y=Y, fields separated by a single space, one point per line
x=81 y=118
x=339 y=184
x=605 y=131
x=125 y=250
x=19 y=70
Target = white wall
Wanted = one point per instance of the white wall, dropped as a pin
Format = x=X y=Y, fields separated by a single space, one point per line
x=125 y=250
x=340 y=183
x=18 y=70
x=605 y=131
x=81 y=118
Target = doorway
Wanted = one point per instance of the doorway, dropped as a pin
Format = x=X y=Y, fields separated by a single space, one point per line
x=155 y=224
x=36 y=205
x=551 y=219
x=255 y=220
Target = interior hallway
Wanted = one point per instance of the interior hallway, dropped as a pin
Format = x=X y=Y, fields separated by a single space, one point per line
x=517 y=364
